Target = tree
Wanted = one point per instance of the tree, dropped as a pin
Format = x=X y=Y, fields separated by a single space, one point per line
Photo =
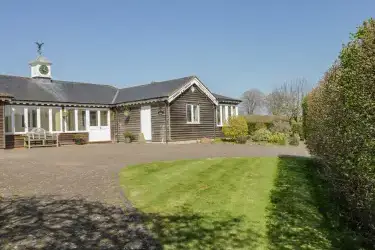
x=286 y=100
x=251 y=100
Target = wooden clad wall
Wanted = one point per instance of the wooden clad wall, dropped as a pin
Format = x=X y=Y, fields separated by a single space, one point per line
x=2 y=125
x=180 y=130
x=131 y=123
x=159 y=126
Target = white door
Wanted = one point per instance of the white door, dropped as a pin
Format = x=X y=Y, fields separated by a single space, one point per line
x=146 y=122
x=99 y=129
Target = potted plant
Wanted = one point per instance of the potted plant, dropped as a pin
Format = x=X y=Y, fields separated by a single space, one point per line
x=79 y=140
x=129 y=137
x=126 y=112
x=64 y=113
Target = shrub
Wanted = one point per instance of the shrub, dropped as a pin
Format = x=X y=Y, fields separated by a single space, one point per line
x=128 y=134
x=242 y=139
x=297 y=128
x=217 y=140
x=280 y=127
x=79 y=139
x=294 y=140
x=235 y=128
x=340 y=129
x=262 y=134
x=278 y=138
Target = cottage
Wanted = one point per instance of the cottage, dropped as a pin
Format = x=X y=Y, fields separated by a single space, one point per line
x=174 y=110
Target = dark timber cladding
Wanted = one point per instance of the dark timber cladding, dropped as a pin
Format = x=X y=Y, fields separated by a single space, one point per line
x=180 y=129
x=2 y=125
x=130 y=123
x=159 y=122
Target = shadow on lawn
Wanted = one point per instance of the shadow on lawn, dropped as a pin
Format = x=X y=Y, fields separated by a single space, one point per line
x=192 y=231
x=47 y=222
x=302 y=214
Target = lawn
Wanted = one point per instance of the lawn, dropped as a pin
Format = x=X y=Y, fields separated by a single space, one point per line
x=232 y=203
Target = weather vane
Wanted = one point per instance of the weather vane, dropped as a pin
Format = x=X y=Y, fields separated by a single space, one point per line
x=39 y=45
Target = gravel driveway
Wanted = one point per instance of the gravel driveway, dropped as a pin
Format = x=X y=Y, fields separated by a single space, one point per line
x=90 y=171
x=68 y=197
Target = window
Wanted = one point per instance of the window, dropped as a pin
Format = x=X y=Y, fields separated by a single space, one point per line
x=81 y=119
x=32 y=118
x=44 y=118
x=218 y=115
x=56 y=119
x=103 y=118
x=8 y=119
x=70 y=120
x=93 y=118
x=19 y=119
x=192 y=113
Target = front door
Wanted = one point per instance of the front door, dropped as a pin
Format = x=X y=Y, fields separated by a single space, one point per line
x=146 y=122
x=99 y=129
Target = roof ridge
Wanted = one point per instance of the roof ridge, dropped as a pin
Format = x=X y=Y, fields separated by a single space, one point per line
x=24 y=77
x=154 y=82
x=174 y=79
x=115 y=96
x=88 y=83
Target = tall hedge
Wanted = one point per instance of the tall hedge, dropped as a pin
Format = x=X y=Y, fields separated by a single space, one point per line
x=339 y=124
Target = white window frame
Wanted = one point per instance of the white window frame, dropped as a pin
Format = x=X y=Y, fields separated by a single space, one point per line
x=76 y=121
x=87 y=119
x=26 y=117
x=61 y=120
x=192 y=113
x=224 y=113
x=220 y=108
x=76 y=118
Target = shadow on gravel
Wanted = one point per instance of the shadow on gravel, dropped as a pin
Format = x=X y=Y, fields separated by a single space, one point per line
x=47 y=222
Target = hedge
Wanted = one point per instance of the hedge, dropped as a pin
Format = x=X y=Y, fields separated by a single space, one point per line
x=339 y=126
x=256 y=122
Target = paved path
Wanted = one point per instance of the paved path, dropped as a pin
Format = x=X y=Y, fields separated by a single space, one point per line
x=91 y=171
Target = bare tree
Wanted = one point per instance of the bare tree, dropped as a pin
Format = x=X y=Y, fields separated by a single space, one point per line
x=251 y=100
x=287 y=99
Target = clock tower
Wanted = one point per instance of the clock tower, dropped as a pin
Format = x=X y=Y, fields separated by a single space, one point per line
x=40 y=67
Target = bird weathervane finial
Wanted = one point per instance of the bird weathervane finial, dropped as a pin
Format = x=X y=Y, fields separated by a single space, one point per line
x=39 y=45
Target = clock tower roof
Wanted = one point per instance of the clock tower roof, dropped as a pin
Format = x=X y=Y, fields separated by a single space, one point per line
x=40 y=60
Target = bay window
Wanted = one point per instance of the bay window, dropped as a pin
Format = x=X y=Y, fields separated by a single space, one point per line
x=81 y=116
x=56 y=119
x=192 y=113
x=22 y=119
x=70 y=120
x=223 y=112
x=44 y=118
x=19 y=119
x=32 y=117
x=8 y=119
x=219 y=115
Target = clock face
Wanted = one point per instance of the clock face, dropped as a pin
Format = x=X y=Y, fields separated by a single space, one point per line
x=43 y=69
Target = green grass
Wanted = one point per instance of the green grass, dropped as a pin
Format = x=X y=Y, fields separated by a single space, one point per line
x=233 y=203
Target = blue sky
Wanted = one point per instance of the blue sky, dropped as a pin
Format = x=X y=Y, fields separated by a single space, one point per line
x=231 y=45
